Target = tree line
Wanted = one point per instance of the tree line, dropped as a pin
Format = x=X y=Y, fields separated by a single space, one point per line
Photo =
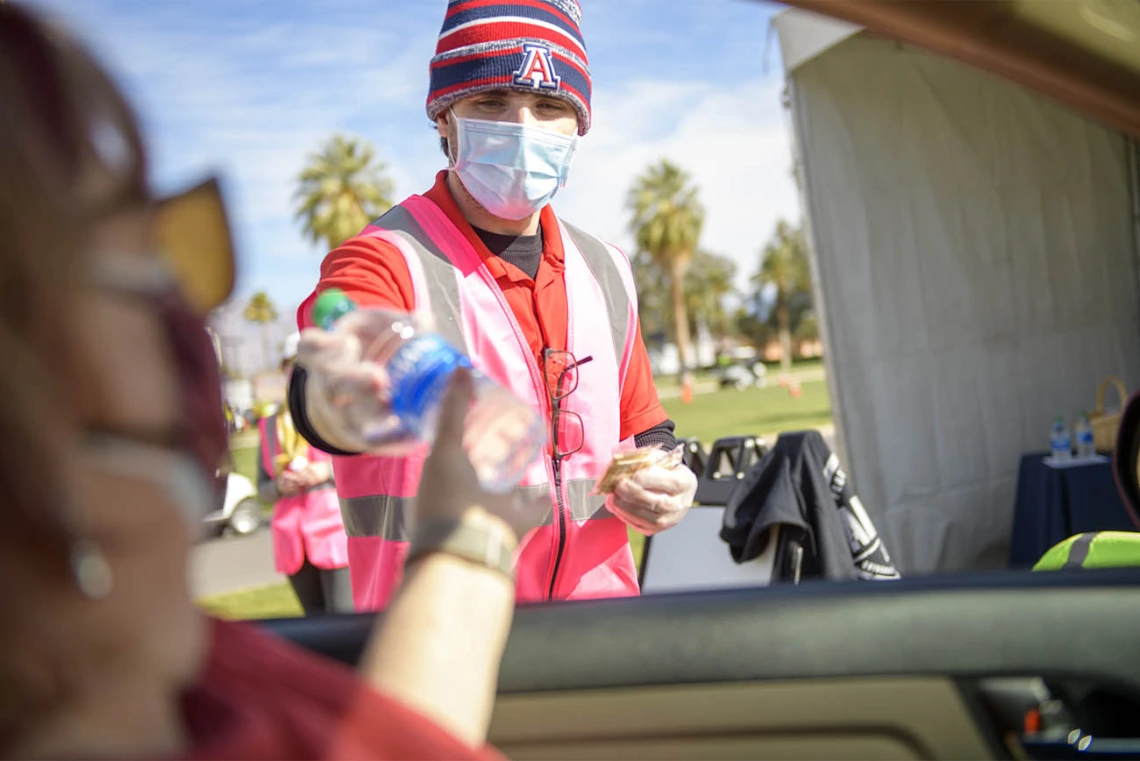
x=681 y=286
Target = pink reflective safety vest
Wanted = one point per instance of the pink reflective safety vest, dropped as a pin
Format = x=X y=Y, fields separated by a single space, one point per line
x=306 y=524
x=580 y=550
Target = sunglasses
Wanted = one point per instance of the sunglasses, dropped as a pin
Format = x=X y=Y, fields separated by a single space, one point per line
x=201 y=428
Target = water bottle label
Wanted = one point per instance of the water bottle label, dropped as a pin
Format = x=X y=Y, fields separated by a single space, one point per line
x=419 y=372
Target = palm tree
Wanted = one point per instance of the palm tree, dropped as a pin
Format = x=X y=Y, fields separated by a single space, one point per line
x=341 y=190
x=261 y=310
x=667 y=222
x=709 y=279
x=784 y=265
x=652 y=297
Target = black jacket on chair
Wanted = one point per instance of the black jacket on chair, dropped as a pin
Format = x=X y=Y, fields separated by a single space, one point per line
x=800 y=486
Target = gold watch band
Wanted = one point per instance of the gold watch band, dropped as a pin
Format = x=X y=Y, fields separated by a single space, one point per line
x=485 y=544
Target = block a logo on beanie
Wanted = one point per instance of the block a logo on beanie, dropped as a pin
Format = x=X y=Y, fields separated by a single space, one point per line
x=537 y=69
x=525 y=45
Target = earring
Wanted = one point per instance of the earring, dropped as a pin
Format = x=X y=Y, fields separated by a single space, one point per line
x=91 y=570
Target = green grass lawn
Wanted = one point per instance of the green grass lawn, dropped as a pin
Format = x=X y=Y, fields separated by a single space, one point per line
x=799 y=364
x=665 y=382
x=277 y=601
x=672 y=381
x=752 y=411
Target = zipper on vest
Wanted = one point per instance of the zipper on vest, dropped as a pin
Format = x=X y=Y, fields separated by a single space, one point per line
x=560 y=517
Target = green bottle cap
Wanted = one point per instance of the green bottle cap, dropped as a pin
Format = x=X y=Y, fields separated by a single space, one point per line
x=330 y=307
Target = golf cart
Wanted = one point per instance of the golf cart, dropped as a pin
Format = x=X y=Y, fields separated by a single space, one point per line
x=241 y=511
x=740 y=370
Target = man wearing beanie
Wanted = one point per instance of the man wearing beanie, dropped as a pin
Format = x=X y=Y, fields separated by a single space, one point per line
x=542 y=307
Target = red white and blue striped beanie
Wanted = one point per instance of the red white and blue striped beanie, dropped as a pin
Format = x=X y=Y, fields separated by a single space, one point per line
x=526 y=45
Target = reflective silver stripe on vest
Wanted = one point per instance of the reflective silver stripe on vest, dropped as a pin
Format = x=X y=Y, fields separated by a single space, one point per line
x=605 y=271
x=1079 y=551
x=582 y=503
x=442 y=285
x=375 y=516
x=383 y=516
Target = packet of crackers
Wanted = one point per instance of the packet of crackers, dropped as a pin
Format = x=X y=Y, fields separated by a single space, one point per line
x=625 y=464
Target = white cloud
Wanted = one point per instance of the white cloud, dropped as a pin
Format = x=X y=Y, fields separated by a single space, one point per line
x=257 y=105
x=731 y=137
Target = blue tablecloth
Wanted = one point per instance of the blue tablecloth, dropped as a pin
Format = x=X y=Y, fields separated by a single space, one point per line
x=1056 y=503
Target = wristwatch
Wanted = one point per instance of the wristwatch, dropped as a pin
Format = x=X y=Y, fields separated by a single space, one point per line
x=486 y=544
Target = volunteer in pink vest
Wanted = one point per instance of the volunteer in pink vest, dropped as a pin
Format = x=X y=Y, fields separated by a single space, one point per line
x=542 y=307
x=309 y=543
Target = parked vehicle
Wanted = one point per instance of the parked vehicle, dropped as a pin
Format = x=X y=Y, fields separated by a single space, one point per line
x=241 y=513
x=742 y=374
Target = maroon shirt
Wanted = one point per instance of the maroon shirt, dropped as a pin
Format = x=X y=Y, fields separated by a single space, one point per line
x=263 y=698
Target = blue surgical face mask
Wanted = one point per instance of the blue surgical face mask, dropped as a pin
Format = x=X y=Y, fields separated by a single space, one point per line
x=512 y=170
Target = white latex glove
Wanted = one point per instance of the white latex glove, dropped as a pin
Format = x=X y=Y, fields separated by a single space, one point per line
x=343 y=389
x=337 y=360
x=654 y=499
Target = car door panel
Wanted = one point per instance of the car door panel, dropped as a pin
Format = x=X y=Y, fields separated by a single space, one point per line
x=882 y=669
x=905 y=718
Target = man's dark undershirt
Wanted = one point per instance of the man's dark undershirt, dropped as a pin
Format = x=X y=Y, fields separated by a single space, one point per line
x=523 y=251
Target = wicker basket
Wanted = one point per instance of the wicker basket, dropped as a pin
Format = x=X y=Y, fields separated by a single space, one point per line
x=1105 y=424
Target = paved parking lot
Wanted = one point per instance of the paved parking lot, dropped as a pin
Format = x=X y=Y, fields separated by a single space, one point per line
x=223 y=565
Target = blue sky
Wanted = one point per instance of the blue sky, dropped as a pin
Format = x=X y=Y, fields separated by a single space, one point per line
x=248 y=88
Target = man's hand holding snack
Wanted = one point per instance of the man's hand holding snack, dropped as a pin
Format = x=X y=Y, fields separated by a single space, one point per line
x=650 y=490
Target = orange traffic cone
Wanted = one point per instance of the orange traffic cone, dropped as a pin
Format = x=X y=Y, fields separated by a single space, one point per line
x=687 y=388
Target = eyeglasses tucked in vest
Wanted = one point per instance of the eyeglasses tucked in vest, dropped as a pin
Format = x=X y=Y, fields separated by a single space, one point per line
x=560 y=369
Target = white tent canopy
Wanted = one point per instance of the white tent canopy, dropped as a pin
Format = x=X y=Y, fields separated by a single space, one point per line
x=974 y=248
x=804 y=35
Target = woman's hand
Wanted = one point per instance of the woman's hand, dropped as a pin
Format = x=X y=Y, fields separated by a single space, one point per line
x=449 y=488
x=440 y=643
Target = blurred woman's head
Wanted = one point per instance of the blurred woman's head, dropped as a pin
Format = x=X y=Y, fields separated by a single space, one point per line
x=109 y=408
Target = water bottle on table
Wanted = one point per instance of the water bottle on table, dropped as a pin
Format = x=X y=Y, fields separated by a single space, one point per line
x=502 y=435
x=1060 y=444
x=1086 y=444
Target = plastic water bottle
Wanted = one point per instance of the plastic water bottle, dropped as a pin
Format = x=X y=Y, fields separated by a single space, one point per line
x=1083 y=433
x=502 y=435
x=1059 y=442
